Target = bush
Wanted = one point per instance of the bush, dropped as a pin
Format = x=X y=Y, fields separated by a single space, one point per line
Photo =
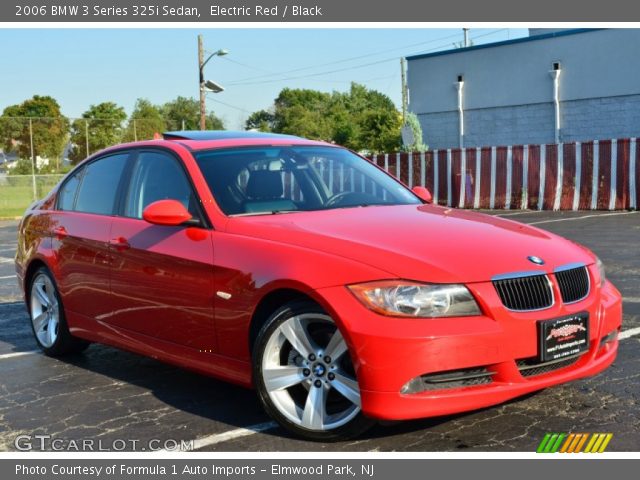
x=23 y=167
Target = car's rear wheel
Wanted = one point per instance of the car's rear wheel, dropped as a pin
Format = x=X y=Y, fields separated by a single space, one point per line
x=48 y=321
x=305 y=377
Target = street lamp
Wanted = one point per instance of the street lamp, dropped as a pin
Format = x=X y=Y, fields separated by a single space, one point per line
x=213 y=87
x=206 y=85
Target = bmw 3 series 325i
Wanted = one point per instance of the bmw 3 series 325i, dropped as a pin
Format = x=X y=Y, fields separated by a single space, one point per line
x=305 y=271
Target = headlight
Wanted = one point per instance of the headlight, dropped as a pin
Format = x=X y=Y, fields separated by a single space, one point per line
x=409 y=299
x=601 y=272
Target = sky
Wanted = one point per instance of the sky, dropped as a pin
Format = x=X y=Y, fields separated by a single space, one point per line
x=81 y=67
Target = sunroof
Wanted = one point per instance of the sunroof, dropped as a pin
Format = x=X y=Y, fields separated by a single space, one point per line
x=219 y=135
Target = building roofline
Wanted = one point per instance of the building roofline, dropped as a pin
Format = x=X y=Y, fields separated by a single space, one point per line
x=543 y=36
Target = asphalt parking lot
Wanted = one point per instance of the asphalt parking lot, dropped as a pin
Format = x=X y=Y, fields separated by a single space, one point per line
x=109 y=395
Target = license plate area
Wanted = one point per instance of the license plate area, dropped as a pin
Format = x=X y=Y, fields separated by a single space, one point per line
x=563 y=337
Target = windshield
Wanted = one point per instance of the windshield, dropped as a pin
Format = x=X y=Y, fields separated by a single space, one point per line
x=270 y=180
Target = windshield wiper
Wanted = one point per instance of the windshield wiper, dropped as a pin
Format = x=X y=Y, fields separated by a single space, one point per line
x=357 y=205
x=270 y=212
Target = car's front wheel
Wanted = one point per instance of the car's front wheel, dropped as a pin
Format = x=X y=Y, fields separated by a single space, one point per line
x=47 y=317
x=305 y=377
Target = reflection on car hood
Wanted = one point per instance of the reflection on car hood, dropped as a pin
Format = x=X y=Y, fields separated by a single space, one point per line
x=425 y=242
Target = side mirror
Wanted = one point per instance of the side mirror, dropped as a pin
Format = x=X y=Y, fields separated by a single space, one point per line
x=422 y=193
x=166 y=212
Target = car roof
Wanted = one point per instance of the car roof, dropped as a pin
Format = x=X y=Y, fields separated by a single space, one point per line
x=201 y=140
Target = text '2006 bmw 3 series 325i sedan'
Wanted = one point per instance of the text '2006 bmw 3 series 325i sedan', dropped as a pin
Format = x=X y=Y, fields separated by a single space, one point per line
x=305 y=271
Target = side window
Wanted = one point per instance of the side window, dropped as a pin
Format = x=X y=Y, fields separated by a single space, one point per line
x=100 y=184
x=67 y=193
x=158 y=176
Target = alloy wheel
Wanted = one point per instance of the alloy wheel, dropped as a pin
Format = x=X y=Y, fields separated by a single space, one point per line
x=45 y=310
x=308 y=374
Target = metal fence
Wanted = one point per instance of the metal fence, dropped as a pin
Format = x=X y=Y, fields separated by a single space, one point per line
x=43 y=147
x=17 y=192
x=596 y=175
x=51 y=141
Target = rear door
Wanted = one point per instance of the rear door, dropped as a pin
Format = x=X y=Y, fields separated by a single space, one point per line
x=80 y=227
x=161 y=277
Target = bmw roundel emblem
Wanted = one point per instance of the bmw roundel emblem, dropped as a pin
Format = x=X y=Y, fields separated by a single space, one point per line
x=536 y=260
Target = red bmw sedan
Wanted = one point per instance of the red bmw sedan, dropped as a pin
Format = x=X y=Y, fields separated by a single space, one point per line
x=303 y=270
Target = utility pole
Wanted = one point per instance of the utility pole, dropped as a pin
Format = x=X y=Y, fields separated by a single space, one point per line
x=203 y=112
x=209 y=85
x=405 y=96
x=466 y=37
x=86 y=135
x=33 y=161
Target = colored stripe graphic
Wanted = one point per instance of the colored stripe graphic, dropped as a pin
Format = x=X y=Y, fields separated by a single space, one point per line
x=607 y=439
x=543 y=443
x=567 y=442
x=578 y=440
x=574 y=443
x=592 y=440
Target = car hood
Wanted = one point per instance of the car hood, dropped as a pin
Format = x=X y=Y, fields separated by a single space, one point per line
x=419 y=242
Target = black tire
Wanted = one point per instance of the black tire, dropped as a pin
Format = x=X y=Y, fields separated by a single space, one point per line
x=353 y=428
x=64 y=343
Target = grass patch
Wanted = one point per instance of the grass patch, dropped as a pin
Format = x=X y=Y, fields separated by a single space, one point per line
x=16 y=192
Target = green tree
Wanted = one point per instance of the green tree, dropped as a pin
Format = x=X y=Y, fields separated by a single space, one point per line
x=50 y=128
x=302 y=112
x=417 y=145
x=380 y=131
x=261 y=120
x=360 y=119
x=184 y=113
x=145 y=121
x=104 y=124
x=213 y=122
x=372 y=121
x=22 y=167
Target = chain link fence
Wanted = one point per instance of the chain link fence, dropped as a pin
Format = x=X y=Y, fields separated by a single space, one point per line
x=17 y=192
x=35 y=152
x=53 y=142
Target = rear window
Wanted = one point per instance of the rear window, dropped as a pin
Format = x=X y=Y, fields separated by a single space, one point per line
x=100 y=184
x=67 y=193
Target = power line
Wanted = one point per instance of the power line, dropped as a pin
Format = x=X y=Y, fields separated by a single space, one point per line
x=310 y=75
x=231 y=106
x=226 y=59
x=315 y=74
x=344 y=60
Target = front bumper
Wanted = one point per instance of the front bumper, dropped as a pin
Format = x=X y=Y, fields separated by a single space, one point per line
x=388 y=352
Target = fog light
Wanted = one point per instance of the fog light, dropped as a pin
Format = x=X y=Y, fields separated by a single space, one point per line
x=413 y=386
x=610 y=337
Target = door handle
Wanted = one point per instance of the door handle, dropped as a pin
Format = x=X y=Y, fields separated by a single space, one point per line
x=60 y=232
x=119 y=243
